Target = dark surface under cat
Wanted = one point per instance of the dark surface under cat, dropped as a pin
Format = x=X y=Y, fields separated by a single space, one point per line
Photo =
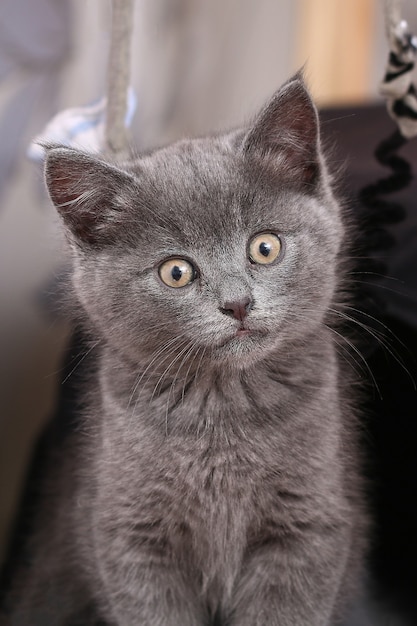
x=391 y=429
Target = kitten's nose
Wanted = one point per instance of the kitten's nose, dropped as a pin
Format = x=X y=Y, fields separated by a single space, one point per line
x=238 y=309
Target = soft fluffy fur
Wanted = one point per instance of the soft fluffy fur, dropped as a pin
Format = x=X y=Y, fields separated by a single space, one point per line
x=216 y=476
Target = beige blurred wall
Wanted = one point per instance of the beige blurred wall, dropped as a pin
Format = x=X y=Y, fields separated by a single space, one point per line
x=201 y=65
x=337 y=40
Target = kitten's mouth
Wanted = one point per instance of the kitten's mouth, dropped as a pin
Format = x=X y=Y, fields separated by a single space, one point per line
x=242 y=346
x=243 y=332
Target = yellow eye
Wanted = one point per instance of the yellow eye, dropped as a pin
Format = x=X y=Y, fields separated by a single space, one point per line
x=176 y=273
x=265 y=248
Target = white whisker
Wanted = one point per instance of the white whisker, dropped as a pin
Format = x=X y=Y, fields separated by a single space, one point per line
x=187 y=351
x=165 y=372
x=155 y=356
x=84 y=356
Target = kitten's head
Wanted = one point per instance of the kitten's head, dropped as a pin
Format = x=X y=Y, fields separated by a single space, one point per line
x=222 y=248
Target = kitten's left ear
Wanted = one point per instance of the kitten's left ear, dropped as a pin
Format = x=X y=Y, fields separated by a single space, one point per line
x=286 y=134
x=88 y=193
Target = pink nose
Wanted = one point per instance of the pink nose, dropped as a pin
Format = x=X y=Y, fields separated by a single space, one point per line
x=238 y=309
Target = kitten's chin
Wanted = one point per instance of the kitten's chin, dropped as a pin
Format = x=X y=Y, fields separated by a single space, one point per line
x=242 y=349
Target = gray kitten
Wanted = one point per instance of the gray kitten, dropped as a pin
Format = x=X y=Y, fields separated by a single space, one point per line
x=216 y=477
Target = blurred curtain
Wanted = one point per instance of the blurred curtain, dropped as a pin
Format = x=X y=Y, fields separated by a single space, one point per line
x=34 y=43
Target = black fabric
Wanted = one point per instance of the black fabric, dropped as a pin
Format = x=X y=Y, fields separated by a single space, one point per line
x=390 y=416
x=354 y=135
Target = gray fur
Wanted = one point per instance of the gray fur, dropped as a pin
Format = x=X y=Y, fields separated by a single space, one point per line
x=215 y=474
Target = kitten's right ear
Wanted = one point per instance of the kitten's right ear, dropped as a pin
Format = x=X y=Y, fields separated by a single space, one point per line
x=87 y=192
x=285 y=135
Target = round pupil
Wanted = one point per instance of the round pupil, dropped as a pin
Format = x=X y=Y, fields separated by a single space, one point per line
x=176 y=273
x=265 y=248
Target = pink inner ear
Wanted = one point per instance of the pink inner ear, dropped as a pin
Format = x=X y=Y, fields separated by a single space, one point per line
x=61 y=179
x=83 y=190
x=68 y=181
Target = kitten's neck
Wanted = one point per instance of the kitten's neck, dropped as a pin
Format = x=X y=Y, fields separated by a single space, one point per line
x=201 y=392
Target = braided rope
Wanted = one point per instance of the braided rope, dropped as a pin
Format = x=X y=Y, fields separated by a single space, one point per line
x=378 y=211
x=392 y=10
x=397 y=86
x=118 y=78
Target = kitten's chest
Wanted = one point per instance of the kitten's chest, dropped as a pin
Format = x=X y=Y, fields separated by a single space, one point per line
x=195 y=499
x=199 y=493
x=215 y=491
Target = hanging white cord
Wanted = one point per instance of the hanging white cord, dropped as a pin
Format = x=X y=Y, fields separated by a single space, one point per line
x=118 y=77
x=397 y=86
x=101 y=126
